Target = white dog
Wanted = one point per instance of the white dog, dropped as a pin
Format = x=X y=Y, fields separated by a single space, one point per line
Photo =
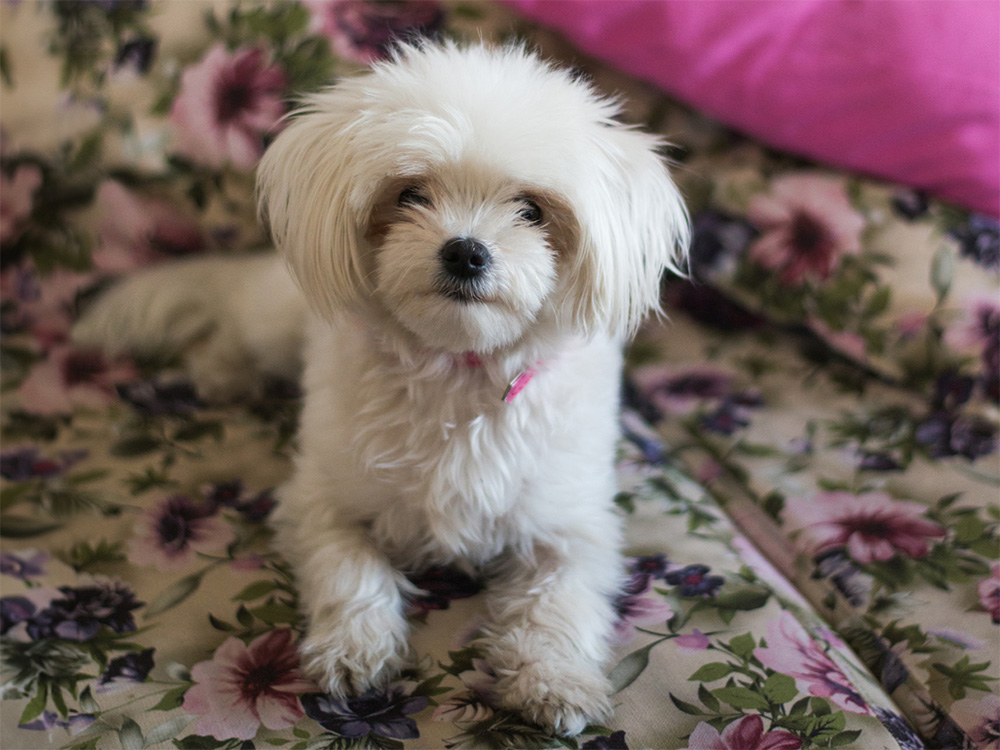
x=472 y=236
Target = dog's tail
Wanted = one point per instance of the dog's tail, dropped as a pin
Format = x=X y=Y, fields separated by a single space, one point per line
x=231 y=319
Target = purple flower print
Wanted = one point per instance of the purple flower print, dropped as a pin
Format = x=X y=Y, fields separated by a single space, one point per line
x=74 y=723
x=25 y=463
x=694 y=580
x=441 y=585
x=716 y=239
x=17 y=566
x=80 y=612
x=654 y=566
x=43 y=306
x=711 y=393
x=987 y=324
x=257 y=508
x=710 y=307
x=979 y=240
x=13 y=611
x=384 y=714
x=171 y=533
x=876 y=461
x=224 y=494
x=911 y=203
x=731 y=415
x=977 y=330
x=945 y=435
x=137 y=53
x=952 y=390
x=638 y=432
x=843 y=572
x=790 y=650
x=900 y=729
x=232 y=494
x=125 y=671
x=614 y=741
x=680 y=392
x=121 y=6
x=156 y=399
x=638 y=603
x=227 y=103
x=363 y=31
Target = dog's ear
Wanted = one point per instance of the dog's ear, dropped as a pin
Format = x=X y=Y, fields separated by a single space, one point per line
x=632 y=226
x=310 y=192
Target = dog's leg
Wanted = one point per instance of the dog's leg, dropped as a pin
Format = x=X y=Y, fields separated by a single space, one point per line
x=551 y=618
x=353 y=600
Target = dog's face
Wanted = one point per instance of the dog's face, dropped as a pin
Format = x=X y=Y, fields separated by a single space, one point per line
x=466 y=259
x=467 y=196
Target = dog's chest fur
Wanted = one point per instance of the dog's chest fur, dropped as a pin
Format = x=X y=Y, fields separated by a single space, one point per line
x=453 y=456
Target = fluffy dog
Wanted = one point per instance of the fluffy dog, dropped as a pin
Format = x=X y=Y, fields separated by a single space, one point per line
x=472 y=235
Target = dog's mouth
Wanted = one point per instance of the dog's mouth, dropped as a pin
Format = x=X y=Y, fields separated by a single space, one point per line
x=462 y=296
x=465 y=294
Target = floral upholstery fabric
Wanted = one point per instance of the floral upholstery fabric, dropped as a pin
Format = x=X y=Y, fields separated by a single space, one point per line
x=808 y=468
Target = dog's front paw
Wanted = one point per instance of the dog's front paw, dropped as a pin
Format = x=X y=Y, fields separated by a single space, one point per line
x=559 y=697
x=349 y=656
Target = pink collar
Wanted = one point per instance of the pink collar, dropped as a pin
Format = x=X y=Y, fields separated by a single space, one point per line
x=518 y=384
x=514 y=387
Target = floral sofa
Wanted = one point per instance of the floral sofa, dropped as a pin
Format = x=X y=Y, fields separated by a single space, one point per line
x=808 y=467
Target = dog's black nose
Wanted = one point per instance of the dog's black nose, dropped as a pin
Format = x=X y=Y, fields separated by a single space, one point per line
x=465 y=258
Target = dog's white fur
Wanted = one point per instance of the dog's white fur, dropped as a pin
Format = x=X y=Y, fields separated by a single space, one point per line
x=408 y=457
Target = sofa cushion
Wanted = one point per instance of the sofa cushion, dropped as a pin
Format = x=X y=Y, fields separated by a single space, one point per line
x=905 y=91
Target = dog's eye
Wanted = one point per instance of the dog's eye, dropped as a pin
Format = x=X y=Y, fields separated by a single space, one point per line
x=412 y=196
x=530 y=212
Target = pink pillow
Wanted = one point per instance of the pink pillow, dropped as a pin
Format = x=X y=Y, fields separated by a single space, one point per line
x=907 y=91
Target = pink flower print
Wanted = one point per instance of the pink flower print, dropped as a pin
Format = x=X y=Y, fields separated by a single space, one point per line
x=244 y=686
x=986 y=733
x=978 y=330
x=909 y=325
x=989 y=593
x=682 y=391
x=806 y=224
x=363 y=32
x=173 y=531
x=791 y=651
x=44 y=306
x=849 y=343
x=639 y=604
x=227 y=103
x=746 y=734
x=247 y=563
x=136 y=230
x=17 y=194
x=872 y=526
x=70 y=378
x=695 y=640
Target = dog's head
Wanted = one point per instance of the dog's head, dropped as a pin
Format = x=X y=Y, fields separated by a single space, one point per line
x=471 y=193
